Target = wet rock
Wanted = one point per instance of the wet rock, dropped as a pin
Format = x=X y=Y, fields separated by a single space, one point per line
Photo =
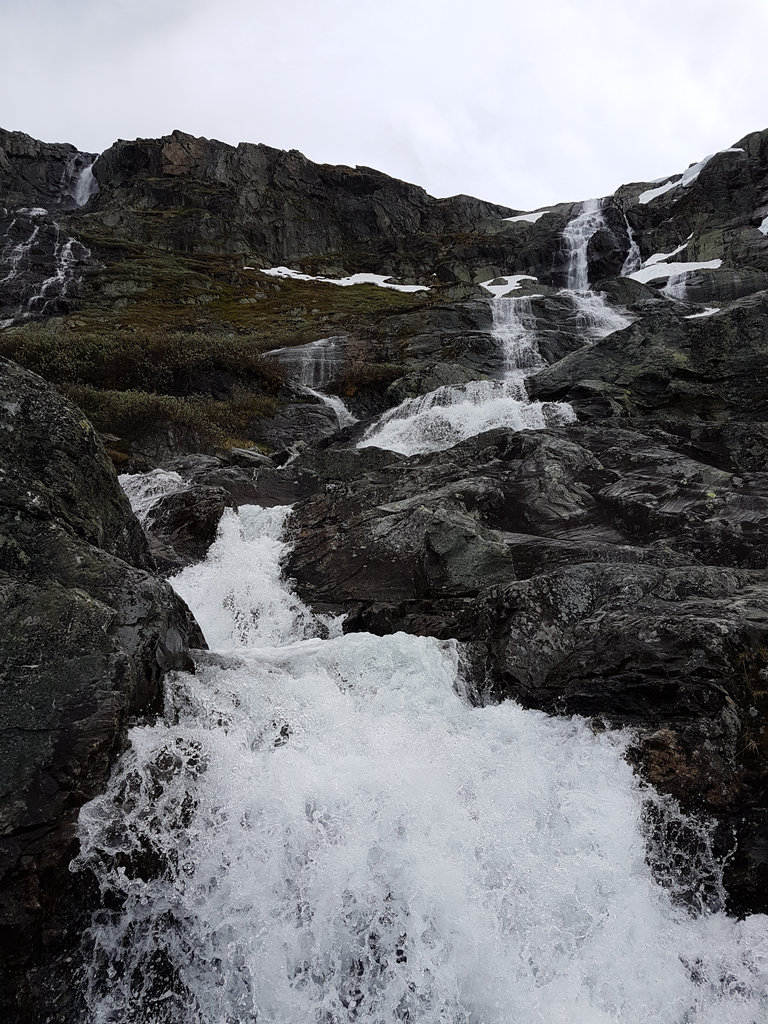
x=88 y=633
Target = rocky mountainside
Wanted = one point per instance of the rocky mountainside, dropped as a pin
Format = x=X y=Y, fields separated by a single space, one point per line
x=544 y=434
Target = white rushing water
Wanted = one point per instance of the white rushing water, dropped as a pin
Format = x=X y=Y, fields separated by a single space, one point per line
x=326 y=831
x=634 y=259
x=86 y=185
x=313 y=366
x=594 y=317
x=442 y=418
x=145 y=490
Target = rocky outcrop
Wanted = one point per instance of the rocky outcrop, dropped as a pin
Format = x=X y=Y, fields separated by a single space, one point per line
x=41 y=174
x=252 y=198
x=88 y=633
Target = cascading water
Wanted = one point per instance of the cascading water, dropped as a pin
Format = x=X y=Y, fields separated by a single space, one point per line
x=326 y=830
x=69 y=255
x=86 y=185
x=594 y=317
x=442 y=418
x=313 y=366
x=576 y=236
x=145 y=490
x=634 y=258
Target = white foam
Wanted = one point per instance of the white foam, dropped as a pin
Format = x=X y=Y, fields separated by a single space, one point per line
x=327 y=831
x=448 y=415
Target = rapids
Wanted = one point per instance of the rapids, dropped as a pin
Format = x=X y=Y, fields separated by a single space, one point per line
x=323 y=828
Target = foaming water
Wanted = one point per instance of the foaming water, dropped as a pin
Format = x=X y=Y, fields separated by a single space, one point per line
x=595 y=319
x=325 y=831
x=145 y=490
x=442 y=418
x=313 y=366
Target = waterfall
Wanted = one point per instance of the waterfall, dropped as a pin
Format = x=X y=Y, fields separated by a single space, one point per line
x=576 y=236
x=314 y=365
x=634 y=258
x=594 y=317
x=443 y=418
x=325 y=830
x=145 y=490
x=343 y=416
x=86 y=185
x=68 y=255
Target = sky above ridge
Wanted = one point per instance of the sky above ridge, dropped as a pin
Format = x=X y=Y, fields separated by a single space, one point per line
x=517 y=102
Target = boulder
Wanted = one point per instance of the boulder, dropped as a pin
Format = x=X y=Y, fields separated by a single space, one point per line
x=88 y=633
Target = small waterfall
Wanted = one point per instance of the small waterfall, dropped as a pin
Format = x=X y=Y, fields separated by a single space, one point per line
x=145 y=490
x=313 y=366
x=594 y=317
x=576 y=236
x=69 y=255
x=15 y=257
x=676 y=287
x=86 y=185
x=326 y=831
x=634 y=258
x=343 y=416
x=443 y=418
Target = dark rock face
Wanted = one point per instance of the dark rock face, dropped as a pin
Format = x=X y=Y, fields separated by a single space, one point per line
x=88 y=632
x=258 y=199
x=710 y=368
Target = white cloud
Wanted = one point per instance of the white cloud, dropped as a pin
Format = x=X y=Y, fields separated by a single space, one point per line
x=525 y=104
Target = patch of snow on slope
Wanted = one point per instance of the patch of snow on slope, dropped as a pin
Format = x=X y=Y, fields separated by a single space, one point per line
x=687 y=178
x=380 y=280
x=660 y=270
x=660 y=257
x=764 y=227
x=528 y=218
x=509 y=284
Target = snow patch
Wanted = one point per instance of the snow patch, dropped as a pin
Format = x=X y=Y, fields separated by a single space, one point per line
x=764 y=227
x=687 y=178
x=661 y=270
x=380 y=280
x=509 y=284
x=527 y=218
x=660 y=257
x=709 y=311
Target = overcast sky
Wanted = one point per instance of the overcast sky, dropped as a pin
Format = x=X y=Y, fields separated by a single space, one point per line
x=524 y=102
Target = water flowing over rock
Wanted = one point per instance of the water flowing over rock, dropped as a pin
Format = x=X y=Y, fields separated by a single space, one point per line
x=309 y=858
x=442 y=418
